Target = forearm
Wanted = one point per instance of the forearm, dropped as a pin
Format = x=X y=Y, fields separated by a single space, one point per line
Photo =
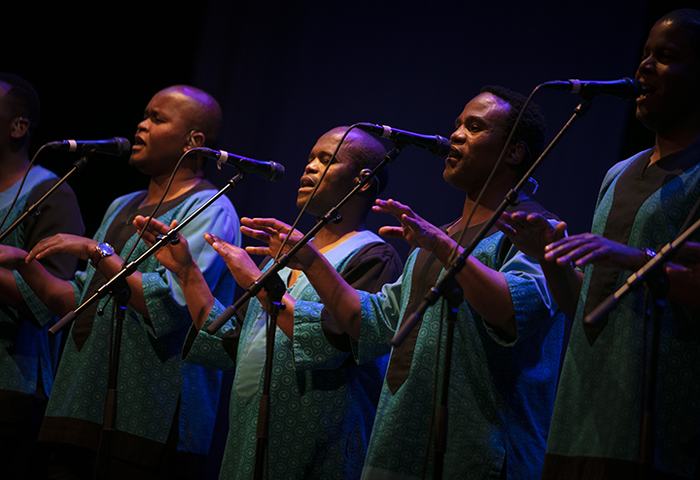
x=338 y=297
x=110 y=266
x=9 y=293
x=564 y=283
x=197 y=294
x=57 y=294
x=485 y=289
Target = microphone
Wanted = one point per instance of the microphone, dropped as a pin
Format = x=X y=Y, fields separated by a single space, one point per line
x=436 y=144
x=271 y=171
x=623 y=87
x=116 y=146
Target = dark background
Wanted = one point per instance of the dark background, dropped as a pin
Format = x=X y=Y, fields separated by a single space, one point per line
x=285 y=72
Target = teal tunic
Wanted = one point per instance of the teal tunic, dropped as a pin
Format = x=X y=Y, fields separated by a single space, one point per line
x=157 y=391
x=322 y=403
x=595 y=427
x=28 y=357
x=501 y=392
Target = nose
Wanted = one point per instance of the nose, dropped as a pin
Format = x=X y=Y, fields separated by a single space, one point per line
x=142 y=125
x=312 y=166
x=647 y=64
x=457 y=136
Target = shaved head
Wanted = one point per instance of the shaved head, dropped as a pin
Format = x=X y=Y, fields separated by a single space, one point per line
x=365 y=150
x=199 y=109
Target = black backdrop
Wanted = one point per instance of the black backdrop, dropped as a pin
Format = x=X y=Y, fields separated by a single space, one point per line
x=285 y=72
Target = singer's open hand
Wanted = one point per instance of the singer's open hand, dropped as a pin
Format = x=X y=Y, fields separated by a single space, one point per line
x=530 y=233
x=11 y=257
x=273 y=232
x=414 y=229
x=242 y=267
x=176 y=257
x=587 y=248
x=75 y=245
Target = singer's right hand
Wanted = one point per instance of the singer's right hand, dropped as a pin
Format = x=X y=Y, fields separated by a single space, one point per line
x=11 y=257
x=273 y=232
x=530 y=233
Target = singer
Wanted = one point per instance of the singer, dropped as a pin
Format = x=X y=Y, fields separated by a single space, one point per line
x=508 y=333
x=643 y=203
x=322 y=403
x=165 y=407
x=27 y=355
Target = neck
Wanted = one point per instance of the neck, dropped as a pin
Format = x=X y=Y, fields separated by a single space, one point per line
x=333 y=232
x=675 y=139
x=487 y=206
x=13 y=165
x=185 y=179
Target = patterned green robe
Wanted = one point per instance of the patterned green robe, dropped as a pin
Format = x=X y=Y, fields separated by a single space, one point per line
x=501 y=392
x=157 y=390
x=595 y=427
x=28 y=356
x=322 y=403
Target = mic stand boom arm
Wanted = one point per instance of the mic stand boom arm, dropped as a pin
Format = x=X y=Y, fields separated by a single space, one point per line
x=131 y=267
x=511 y=198
x=329 y=216
x=76 y=166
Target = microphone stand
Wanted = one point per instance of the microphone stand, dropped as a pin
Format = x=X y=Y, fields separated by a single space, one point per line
x=276 y=289
x=128 y=269
x=80 y=163
x=650 y=273
x=441 y=287
x=331 y=215
x=118 y=287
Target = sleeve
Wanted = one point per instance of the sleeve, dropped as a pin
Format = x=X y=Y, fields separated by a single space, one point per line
x=532 y=301
x=216 y=350
x=314 y=347
x=59 y=213
x=164 y=299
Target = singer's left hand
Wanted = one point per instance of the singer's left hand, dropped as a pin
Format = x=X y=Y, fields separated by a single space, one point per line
x=414 y=229
x=75 y=245
x=239 y=263
x=175 y=257
x=587 y=248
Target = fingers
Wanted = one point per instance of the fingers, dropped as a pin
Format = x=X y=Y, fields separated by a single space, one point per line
x=263 y=223
x=42 y=249
x=264 y=251
x=256 y=234
x=391 y=232
x=560 y=248
x=392 y=207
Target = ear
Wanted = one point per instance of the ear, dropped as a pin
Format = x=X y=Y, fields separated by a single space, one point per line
x=516 y=154
x=19 y=128
x=369 y=185
x=195 y=139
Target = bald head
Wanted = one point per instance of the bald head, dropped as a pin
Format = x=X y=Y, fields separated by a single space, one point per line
x=365 y=150
x=199 y=109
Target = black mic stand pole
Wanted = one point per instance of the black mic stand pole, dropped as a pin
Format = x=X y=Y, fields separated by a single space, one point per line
x=331 y=215
x=651 y=273
x=448 y=281
x=128 y=269
x=118 y=287
x=276 y=289
x=76 y=166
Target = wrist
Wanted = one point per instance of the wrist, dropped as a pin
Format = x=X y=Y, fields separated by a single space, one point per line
x=98 y=252
x=444 y=248
x=189 y=274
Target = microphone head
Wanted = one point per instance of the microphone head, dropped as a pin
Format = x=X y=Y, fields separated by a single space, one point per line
x=123 y=146
x=442 y=146
x=276 y=171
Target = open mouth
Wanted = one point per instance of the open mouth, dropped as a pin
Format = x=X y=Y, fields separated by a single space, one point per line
x=306 y=182
x=645 y=91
